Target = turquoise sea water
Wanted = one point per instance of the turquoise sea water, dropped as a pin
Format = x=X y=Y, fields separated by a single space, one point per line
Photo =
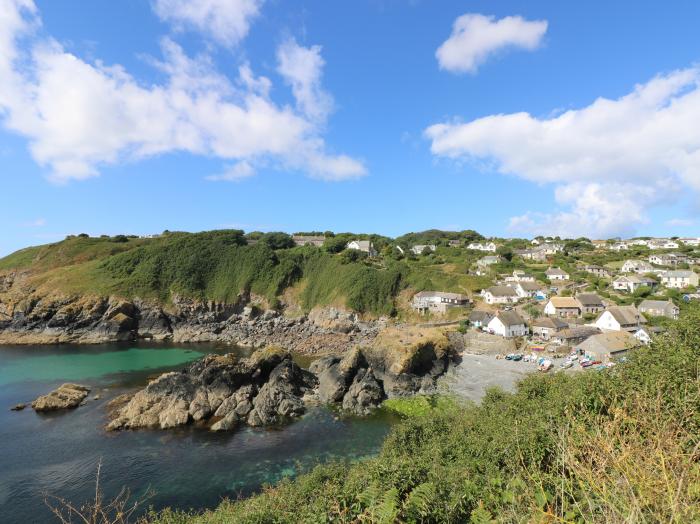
x=58 y=454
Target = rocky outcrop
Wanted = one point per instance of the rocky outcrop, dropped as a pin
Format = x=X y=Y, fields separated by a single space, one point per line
x=30 y=316
x=64 y=397
x=220 y=392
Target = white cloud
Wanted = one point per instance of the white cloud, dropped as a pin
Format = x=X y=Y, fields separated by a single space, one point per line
x=234 y=173
x=475 y=37
x=38 y=222
x=79 y=116
x=610 y=161
x=302 y=68
x=680 y=222
x=225 y=21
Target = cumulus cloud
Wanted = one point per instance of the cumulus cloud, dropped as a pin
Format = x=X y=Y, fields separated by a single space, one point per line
x=225 y=21
x=610 y=161
x=302 y=69
x=234 y=173
x=475 y=37
x=79 y=116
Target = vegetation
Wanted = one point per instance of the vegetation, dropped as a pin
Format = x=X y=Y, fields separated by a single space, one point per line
x=622 y=445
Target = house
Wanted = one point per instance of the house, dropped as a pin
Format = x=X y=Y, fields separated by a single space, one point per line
x=633 y=282
x=537 y=254
x=659 y=308
x=455 y=243
x=618 y=246
x=309 y=240
x=636 y=266
x=643 y=335
x=365 y=246
x=564 y=307
x=607 y=346
x=483 y=263
x=437 y=301
x=551 y=248
x=590 y=303
x=479 y=318
x=486 y=246
x=528 y=289
x=599 y=271
x=419 y=249
x=574 y=335
x=500 y=295
x=668 y=259
x=508 y=324
x=620 y=318
x=662 y=243
x=546 y=327
x=691 y=241
x=680 y=279
x=555 y=273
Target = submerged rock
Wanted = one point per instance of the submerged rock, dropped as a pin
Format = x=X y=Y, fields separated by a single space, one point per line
x=18 y=407
x=64 y=397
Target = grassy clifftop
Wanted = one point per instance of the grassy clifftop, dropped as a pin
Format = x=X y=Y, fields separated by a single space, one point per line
x=219 y=265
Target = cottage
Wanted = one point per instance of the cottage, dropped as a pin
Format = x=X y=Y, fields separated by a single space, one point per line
x=643 y=336
x=537 y=254
x=563 y=307
x=599 y=271
x=365 y=246
x=500 y=295
x=508 y=324
x=437 y=301
x=618 y=246
x=574 y=335
x=551 y=248
x=484 y=263
x=607 y=346
x=309 y=240
x=668 y=259
x=555 y=273
x=636 y=266
x=620 y=318
x=659 y=308
x=419 y=249
x=547 y=327
x=529 y=290
x=691 y=241
x=590 y=303
x=486 y=246
x=632 y=283
x=680 y=279
x=479 y=318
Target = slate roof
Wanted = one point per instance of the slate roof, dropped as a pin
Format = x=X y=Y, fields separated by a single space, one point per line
x=626 y=315
x=510 y=318
x=589 y=299
x=502 y=291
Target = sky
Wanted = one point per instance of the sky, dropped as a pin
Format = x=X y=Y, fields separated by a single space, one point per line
x=511 y=118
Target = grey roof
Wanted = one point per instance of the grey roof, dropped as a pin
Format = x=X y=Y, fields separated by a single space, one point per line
x=480 y=316
x=577 y=332
x=609 y=343
x=626 y=315
x=589 y=299
x=555 y=271
x=441 y=294
x=679 y=273
x=531 y=286
x=655 y=304
x=502 y=291
x=549 y=322
x=510 y=318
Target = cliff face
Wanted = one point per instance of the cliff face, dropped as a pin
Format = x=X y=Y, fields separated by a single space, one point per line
x=29 y=315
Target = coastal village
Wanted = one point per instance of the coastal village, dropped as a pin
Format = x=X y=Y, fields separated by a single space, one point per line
x=575 y=303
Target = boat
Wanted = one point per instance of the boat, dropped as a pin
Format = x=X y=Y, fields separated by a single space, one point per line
x=517 y=357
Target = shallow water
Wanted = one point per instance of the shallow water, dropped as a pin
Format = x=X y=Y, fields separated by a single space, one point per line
x=58 y=453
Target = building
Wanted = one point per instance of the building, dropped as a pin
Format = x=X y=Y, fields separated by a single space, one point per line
x=500 y=295
x=485 y=246
x=599 y=271
x=419 y=249
x=636 y=266
x=365 y=246
x=529 y=290
x=437 y=301
x=455 y=243
x=618 y=246
x=607 y=346
x=680 y=279
x=520 y=276
x=479 y=318
x=484 y=263
x=620 y=318
x=662 y=243
x=555 y=273
x=309 y=240
x=546 y=327
x=551 y=248
x=632 y=283
x=574 y=335
x=659 y=308
x=691 y=241
x=563 y=307
x=537 y=254
x=668 y=259
x=590 y=303
x=508 y=324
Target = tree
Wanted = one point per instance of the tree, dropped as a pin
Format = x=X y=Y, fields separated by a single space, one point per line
x=505 y=252
x=334 y=244
x=278 y=240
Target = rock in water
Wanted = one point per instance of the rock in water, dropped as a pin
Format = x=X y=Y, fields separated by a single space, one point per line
x=364 y=394
x=18 y=407
x=64 y=397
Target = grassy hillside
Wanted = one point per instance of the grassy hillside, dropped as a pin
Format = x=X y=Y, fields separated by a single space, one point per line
x=621 y=445
x=219 y=265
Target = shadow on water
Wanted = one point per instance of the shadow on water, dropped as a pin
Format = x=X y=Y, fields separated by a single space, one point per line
x=186 y=468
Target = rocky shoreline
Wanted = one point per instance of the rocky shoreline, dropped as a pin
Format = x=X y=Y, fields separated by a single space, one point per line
x=268 y=388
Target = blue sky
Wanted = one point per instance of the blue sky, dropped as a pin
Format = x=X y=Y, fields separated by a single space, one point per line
x=138 y=116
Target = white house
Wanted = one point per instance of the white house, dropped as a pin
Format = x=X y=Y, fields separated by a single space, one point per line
x=636 y=266
x=642 y=335
x=437 y=301
x=508 y=324
x=419 y=249
x=551 y=248
x=500 y=295
x=365 y=246
x=555 y=273
x=479 y=318
x=618 y=246
x=563 y=307
x=691 y=241
x=680 y=279
x=620 y=318
x=668 y=259
x=529 y=289
x=631 y=283
x=486 y=246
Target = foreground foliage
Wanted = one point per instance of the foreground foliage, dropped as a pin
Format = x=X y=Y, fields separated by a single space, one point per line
x=614 y=446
